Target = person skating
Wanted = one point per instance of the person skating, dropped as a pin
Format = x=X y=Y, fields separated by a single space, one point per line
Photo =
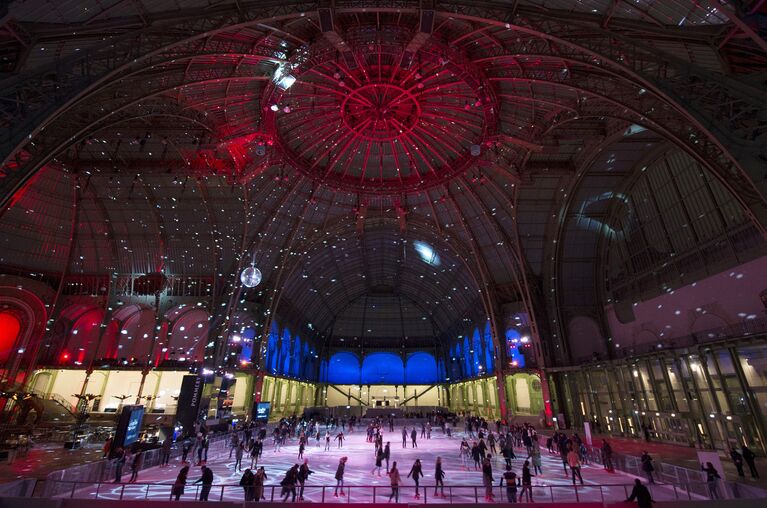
x=476 y=456
x=246 y=482
x=379 y=462
x=413 y=438
x=712 y=475
x=535 y=458
x=119 y=463
x=178 y=486
x=641 y=494
x=487 y=477
x=340 y=476
x=135 y=466
x=207 y=482
x=327 y=440
x=387 y=455
x=647 y=466
x=258 y=484
x=464 y=453
x=527 y=483
x=439 y=477
x=750 y=459
x=607 y=456
x=510 y=477
x=340 y=439
x=289 y=483
x=737 y=460
x=303 y=475
x=574 y=461
x=166 y=446
x=238 y=453
x=394 y=479
x=416 y=472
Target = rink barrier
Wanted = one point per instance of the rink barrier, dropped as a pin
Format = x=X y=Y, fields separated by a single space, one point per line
x=350 y=494
x=21 y=502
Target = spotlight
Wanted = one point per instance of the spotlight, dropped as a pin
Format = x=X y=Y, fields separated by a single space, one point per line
x=274 y=107
x=475 y=150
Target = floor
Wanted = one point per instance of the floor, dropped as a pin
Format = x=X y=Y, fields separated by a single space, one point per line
x=462 y=484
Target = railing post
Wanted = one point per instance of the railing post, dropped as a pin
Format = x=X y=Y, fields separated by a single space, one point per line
x=450 y=493
x=98 y=487
x=122 y=492
x=374 y=494
x=72 y=494
x=222 y=494
x=146 y=496
x=272 y=497
x=577 y=498
x=323 y=493
x=476 y=497
x=425 y=490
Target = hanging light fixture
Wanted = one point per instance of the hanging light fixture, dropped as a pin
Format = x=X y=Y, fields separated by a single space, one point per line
x=251 y=276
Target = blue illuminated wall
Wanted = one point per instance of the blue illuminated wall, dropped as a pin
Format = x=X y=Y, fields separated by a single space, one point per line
x=470 y=356
x=421 y=369
x=513 y=344
x=383 y=369
x=287 y=354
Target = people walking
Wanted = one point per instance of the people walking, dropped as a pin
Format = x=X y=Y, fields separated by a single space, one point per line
x=238 y=453
x=167 y=443
x=289 y=484
x=178 y=486
x=416 y=472
x=607 y=456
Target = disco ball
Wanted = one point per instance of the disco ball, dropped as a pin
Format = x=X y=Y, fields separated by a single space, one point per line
x=250 y=277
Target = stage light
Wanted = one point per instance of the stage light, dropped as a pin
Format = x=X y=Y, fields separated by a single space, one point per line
x=274 y=107
x=286 y=81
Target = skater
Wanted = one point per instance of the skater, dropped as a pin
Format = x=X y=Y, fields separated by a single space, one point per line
x=238 y=457
x=119 y=463
x=712 y=475
x=750 y=459
x=340 y=439
x=647 y=466
x=303 y=475
x=289 y=484
x=379 y=462
x=166 y=445
x=641 y=494
x=246 y=482
x=413 y=437
x=327 y=440
x=487 y=478
x=574 y=461
x=387 y=455
x=737 y=460
x=138 y=458
x=416 y=472
x=207 y=482
x=178 y=486
x=465 y=453
x=340 y=476
x=258 y=484
x=404 y=437
x=607 y=456
x=511 y=484
x=394 y=478
x=439 y=477
x=527 y=483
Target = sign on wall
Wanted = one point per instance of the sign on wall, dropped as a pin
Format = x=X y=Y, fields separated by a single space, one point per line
x=189 y=399
x=128 y=426
x=261 y=411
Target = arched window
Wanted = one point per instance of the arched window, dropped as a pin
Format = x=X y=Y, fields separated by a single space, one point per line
x=421 y=369
x=343 y=368
x=383 y=368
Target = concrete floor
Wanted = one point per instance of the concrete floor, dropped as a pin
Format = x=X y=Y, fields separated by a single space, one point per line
x=362 y=486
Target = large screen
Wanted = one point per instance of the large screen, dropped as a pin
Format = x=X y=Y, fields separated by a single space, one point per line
x=133 y=430
x=262 y=411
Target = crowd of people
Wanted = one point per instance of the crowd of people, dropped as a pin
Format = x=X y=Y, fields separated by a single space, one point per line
x=483 y=446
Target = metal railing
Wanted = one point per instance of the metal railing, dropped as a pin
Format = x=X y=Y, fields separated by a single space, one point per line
x=380 y=493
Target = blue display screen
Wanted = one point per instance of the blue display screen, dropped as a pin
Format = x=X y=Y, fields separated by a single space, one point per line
x=133 y=429
x=262 y=411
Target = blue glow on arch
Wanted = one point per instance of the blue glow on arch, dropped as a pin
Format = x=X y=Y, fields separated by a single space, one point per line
x=421 y=369
x=489 y=350
x=383 y=368
x=343 y=368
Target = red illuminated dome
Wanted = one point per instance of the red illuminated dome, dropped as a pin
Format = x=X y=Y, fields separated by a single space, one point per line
x=380 y=119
